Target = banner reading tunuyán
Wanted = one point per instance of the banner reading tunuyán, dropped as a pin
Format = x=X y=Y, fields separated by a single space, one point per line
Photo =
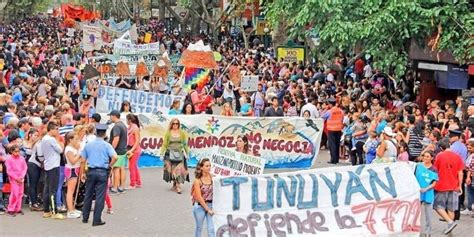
x=283 y=142
x=110 y=98
x=372 y=200
x=227 y=162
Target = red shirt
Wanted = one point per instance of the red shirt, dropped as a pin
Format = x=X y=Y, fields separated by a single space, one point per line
x=359 y=66
x=448 y=165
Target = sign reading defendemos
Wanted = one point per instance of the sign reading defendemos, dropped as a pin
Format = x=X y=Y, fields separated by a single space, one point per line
x=370 y=200
x=291 y=54
x=110 y=98
x=226 y=162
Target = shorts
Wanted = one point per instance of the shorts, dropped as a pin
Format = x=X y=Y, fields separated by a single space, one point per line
x=121 y=161
x=70 y=173
x=448 y=200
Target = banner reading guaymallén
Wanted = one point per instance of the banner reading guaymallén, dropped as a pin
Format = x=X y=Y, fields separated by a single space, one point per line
x=110 y=98
x=227 y=162
x=370 y=200
x=284 y=142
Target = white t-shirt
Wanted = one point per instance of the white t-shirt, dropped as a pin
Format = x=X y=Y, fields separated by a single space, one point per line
x=368 y=71
x=330 y=77
x=75 y=152
x=313 y=111
x=228 y=93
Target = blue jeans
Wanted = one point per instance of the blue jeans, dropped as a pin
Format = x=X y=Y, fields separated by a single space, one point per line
x=199 y=215
x=59 y=192
x=470 y=196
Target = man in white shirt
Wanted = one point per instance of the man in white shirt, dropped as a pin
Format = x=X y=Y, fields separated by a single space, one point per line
x=52 y=148
x=311 y=108
x=368 y=71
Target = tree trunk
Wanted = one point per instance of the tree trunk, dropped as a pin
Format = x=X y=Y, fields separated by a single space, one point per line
x=162 y=10
x=195 y=24
x=280 y=34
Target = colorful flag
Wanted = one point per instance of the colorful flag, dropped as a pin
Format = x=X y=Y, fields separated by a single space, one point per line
x=197 y=76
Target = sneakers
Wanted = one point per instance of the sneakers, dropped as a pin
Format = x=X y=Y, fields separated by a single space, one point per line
x=450 y=227
x=73 y=215
x=109 y=211
x=113 y=191
x=121 y=191
x=36 y=207
x=2 y=211
x=62 y=209
x=466 y=212
x=47 y=215
x=10 y=213
x=58 y=216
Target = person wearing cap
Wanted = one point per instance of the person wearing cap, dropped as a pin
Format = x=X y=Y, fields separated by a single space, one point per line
x=334 y=123
x=387 y=149
x=118 y=139
x=100 y=157
x=449 y=186
x=456 y=144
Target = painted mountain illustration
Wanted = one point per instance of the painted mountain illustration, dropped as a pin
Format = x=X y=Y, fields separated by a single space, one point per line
x=254 y=124
x=196 y=131
x=236 y=129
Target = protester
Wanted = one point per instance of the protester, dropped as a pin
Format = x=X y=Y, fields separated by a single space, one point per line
x=134 y=150
x=71 y=171
x=448 y=188
x=427 y=177
x=175 y=151
x=469 y=176
x=118 y=139
x=16 y=171
x=334 y=124
x=202 y=198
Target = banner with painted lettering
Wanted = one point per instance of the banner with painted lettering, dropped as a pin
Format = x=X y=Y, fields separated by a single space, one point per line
x=365 y=200
x=110 y=98
x=226 y=162
x=127 y=48
x=249 y=83
x=92 y=38
x=286 y=142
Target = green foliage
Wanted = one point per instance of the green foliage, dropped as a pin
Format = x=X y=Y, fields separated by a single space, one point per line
x=382 y=28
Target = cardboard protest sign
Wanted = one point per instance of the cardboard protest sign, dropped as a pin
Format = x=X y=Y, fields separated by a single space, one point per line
x=110 y=98
x=226 y=162
x=291 y=54
x=372 y=200
x=249 y=83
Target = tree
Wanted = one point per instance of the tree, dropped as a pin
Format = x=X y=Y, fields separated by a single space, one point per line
x=384 y=29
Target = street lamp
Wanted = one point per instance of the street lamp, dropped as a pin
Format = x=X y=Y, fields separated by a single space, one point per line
x=266 y=30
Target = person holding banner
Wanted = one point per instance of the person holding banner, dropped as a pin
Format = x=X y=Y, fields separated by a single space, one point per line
x=201 y=193
x=174 y=151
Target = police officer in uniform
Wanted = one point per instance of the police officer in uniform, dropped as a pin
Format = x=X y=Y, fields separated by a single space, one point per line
x=334 y=123
x=99 y=156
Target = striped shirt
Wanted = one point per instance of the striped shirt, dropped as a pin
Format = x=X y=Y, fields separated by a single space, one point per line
x=66 y=129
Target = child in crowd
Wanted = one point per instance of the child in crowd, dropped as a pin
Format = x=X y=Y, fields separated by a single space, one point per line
x=16 y=171
x=403 y=152
x=427 y=175
x=370 y=147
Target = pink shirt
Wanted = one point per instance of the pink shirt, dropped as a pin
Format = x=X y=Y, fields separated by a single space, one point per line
x=132 y=138
x=16 y=167
x=403 y=156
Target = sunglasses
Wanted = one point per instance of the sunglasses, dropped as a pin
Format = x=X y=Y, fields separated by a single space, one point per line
x=175 y=123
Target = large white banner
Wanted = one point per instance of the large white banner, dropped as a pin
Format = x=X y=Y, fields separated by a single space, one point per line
x=127 y=48
x=227 y=162
x=371 y=200
x=110 y=98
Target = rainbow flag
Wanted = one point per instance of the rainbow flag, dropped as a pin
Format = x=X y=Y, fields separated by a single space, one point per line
x=197 y=76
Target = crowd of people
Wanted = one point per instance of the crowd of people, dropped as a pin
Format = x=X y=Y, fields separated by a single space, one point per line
x=49 y=120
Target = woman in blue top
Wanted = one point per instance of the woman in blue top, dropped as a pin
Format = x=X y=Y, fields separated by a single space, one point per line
x=246 y=108
x=174 y=110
